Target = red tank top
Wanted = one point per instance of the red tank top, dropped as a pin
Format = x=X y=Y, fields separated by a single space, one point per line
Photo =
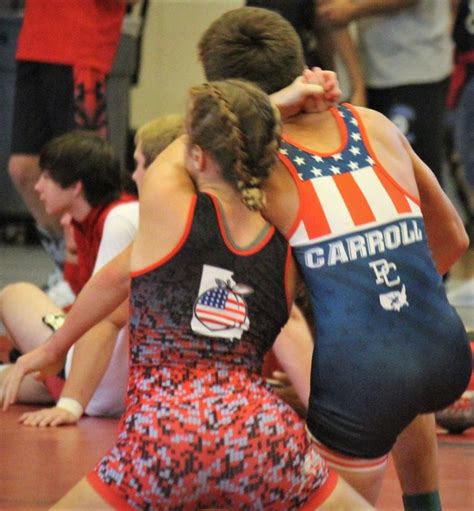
x=88 y=235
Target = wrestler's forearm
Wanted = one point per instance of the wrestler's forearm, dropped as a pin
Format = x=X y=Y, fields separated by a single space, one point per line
x=291 y=100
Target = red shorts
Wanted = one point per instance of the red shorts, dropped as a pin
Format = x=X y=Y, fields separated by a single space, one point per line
x=210 y=439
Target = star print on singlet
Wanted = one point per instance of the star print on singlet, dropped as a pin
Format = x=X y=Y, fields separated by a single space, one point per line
x=345 y=190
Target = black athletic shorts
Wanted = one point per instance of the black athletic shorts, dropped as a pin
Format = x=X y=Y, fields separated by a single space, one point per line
x=419 y=111
x=52 y=99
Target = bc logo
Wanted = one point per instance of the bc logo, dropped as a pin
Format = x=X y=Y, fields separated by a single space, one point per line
x=385 y=274
x=382 y=269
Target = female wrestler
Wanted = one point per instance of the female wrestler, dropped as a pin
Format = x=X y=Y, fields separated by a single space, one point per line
x=208 y=291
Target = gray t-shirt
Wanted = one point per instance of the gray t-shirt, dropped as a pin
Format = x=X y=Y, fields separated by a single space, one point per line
x=408 y=47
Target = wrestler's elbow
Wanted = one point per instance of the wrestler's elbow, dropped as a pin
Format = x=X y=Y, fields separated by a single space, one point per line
x=451 y=249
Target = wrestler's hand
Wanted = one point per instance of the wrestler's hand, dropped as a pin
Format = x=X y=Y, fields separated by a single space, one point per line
x=48 y=417
x=302 y=95
x=35 y=360
x=312 y=92
x=282 y=386
x=332 y=91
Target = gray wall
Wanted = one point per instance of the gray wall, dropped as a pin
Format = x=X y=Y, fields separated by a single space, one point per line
x=169 y=58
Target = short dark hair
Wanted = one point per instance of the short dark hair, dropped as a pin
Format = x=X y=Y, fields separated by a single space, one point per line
x=253 y=44
x=83 y=156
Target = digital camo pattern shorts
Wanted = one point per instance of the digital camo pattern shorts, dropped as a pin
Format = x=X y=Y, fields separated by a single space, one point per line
x=209 y=438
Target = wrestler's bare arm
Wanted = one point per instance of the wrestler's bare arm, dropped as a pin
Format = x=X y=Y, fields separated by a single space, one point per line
x=445 y=230
x=165 y=200
x=447 y=236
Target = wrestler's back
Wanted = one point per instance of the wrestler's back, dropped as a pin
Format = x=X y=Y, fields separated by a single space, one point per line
x=385 y=332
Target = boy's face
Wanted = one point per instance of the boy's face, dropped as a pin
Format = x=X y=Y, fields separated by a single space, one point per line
x=57 y=200
x=140 y=166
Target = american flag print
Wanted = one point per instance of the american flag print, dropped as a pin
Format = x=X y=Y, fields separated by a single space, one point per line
x=220 y=309
x=344 y=191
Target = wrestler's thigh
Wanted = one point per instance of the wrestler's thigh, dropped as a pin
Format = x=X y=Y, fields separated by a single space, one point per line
x=344 y=497
x=22 y=307
x=80 y=497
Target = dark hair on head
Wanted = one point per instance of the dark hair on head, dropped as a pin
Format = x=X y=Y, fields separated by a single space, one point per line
x=252 y=44
x=235 y=122
x=83 y=156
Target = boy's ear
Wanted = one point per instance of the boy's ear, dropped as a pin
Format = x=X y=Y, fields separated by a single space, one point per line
x=77 y=188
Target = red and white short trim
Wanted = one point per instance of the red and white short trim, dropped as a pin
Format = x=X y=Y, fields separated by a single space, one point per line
x=342 y=462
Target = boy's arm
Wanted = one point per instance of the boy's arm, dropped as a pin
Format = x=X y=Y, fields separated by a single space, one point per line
x=342 y=12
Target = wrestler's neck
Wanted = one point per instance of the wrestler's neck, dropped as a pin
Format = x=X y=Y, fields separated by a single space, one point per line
x=319 y=132
x=242 y=224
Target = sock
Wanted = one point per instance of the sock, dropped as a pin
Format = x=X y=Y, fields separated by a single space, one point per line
x=4 y=366
x=422 y=502
x=13 y=355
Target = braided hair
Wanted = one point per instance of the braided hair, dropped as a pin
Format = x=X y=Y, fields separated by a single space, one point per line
x=236 y=123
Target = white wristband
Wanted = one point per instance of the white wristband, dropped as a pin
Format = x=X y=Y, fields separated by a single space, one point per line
x=71 y=405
